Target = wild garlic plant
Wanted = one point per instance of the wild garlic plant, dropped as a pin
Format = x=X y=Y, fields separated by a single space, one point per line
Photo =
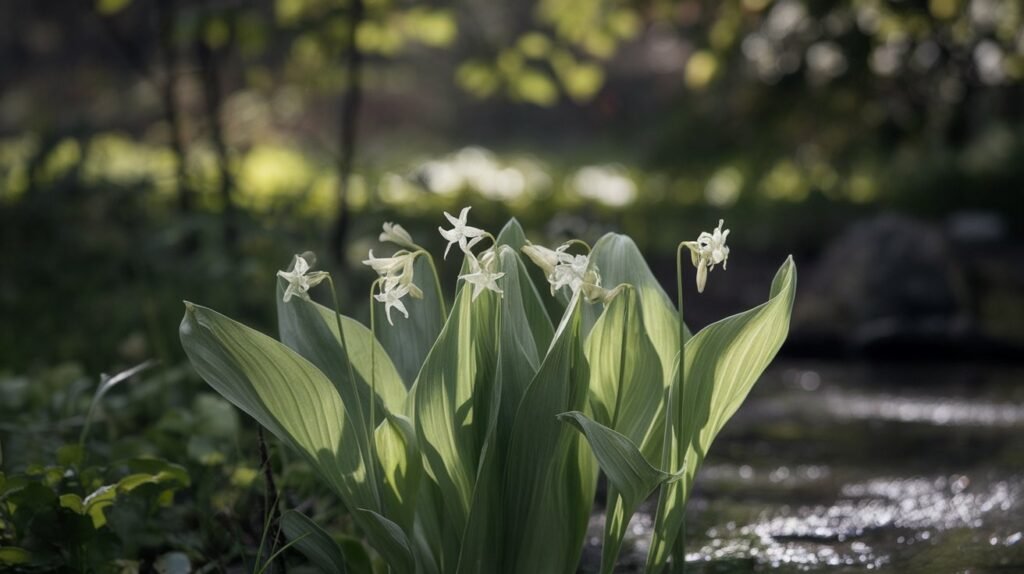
x=469 y=439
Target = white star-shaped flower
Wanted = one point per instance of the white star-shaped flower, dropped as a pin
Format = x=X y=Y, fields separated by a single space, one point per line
x=480 y=276
x=300 y=280
x=460 y=233
x=395 y=270
x=570 y=271
x=565 y=270
x=709 y=250
x=392 y=299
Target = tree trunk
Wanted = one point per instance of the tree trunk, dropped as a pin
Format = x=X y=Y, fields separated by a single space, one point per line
x=166 y=15
x=350 y=103
x=213 y=98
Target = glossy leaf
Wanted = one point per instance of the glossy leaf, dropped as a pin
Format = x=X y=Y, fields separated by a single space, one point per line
x=723 y=361
x=401 y=468
x=311 y=330
x=524 y=334
x=619 y=261
x=450 y=398
x=544 y=481
x=626 y=397
x=285 y=393
x=409 y=341
x=631 y=477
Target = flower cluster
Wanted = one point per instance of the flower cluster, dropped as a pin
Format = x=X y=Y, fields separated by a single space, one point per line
x=565 y=270
x=396 y=272
x=709 y=250
x=481 y=270
x=562 y=269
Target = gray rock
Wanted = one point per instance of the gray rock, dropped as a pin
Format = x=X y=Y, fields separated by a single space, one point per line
x=889 y=277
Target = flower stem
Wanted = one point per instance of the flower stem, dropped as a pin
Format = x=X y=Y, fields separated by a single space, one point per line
x=580 y=242
x=373 y=351
x=371 y=464
x=437 y=281
x=676 y=410
x=622 y=365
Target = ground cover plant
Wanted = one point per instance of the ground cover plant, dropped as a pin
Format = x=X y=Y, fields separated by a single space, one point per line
x=469 y=438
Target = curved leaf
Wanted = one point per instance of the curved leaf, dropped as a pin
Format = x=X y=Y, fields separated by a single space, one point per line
x=620 y=459
x=524 y=334
x=311 y=330
x=512 y=235
x=619 y=261
x=409 y=341
x=626 y=397
x=723 y=361
x=285 y=393
x=313 y=542
x=547 y=489
x=631 y=480
x=451 y=396
x=392 y=543
x=625 y=372
x=401 y=468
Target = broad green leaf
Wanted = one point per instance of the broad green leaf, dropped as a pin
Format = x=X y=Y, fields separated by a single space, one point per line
x=620 y=261
x=313 y=542
x=357 y=558
x=625 y=373
x=512 y=235
x=630 y=478
x=544 y=484
x=437 y=547
x=285 y=393
x=722 y=363
x=524 y=334
x=72 y=502
x=401 y=468
x=392 y=543
x=482 y=538
x=311 y=330
x=409 y=341
x=452 y=395
x=626 y=396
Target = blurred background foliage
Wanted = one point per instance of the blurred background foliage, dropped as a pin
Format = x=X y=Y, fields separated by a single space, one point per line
x=151 y=151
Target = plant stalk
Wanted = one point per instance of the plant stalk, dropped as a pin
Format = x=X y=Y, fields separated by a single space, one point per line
x=371 y=464
x=680 y=542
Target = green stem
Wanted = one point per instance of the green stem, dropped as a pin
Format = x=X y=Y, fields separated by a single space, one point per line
x=437 y=281
x=682 y=325
x=373 y=352
x=679 y=395
x=580 y=242
x=622 y=366
x=370 y=464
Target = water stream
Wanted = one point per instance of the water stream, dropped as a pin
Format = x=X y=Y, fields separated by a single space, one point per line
x=843 y=468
